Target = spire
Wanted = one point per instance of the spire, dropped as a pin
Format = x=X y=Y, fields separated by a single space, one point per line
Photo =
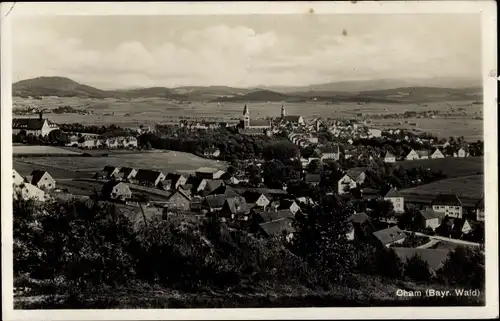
x=246 y=111
x=283 y=111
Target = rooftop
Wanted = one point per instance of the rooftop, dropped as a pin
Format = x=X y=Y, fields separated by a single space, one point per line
x=389 y=235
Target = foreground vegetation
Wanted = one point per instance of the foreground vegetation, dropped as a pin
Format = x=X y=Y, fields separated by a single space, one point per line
x=86 y=254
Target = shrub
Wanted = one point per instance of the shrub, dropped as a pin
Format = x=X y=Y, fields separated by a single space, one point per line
x=417 y=269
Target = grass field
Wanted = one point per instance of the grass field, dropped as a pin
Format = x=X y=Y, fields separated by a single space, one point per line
x=155 y=110
x=470 y=189
x=41 y=150
x=25 y=169
x=451 y=167
x=168 y=162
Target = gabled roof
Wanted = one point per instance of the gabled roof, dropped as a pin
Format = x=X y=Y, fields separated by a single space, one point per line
x=358 y=218
x=286 y=204
x=213 y=184
x=226 y=191
x=107 y=187
x=269 y=216
x=37 y=175
x=392 y=192
x=182 y=193
x=126 y=171
x=252 y=196
x=110 y=169
x=388 y=154
x=214 y=201
x=237 y=205
x=147 y=175
x=480 y=204
x=356 y=171
x=447 y=199
x=260 y=122
x=291 y=118
x=28 y=123
x=276 y=228
x=389 y=235
x=430 y=214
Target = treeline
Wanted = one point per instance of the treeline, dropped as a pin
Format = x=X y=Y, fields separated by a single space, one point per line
x=81 y=247
x=110 y=130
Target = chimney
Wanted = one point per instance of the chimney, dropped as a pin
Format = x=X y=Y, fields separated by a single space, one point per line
x=40 y=115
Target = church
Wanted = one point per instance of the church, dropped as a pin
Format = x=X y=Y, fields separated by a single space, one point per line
x=264 y=126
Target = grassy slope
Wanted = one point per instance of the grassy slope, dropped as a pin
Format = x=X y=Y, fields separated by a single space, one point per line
x=451 y=167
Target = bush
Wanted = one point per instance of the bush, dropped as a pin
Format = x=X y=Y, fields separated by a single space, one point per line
x=417 y=269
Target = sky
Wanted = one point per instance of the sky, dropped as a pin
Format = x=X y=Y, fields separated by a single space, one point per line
x=112 y=52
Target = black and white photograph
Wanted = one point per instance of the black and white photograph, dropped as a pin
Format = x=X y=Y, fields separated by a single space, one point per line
x=230 y=159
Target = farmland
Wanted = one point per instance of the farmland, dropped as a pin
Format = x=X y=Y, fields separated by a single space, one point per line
x=25 y=169
x=470 y=189
x=41 y=150
x=130 y=113
x=451 y=167
x=168 y=162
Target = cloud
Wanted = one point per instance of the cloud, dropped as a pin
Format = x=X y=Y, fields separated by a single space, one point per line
x=243 y=56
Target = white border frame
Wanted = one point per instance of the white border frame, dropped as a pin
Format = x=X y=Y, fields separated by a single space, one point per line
x=487 y=9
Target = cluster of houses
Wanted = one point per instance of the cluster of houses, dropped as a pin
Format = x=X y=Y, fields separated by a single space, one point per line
x=90 y=141
x=34 y=126
x=33 y=186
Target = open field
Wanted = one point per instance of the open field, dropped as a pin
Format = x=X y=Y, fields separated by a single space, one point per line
x=451 y=166
x=166 y=161
x=470 y=189
x=41 y=150
x=25 y=169
x=130 y=113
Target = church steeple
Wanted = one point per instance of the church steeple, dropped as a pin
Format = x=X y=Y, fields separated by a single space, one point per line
x=246 y=111
x=246 y=117
x=283 y=111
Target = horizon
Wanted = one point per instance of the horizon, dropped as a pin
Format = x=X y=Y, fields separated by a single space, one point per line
x=248 y=51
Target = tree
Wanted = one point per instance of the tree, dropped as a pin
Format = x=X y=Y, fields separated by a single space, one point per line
x=382 y=209
x=81 y=140
x=464 y=267
x=314 y=166
x=417 y=269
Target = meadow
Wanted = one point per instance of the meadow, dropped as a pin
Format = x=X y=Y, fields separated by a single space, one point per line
x=451 y=167
x=41 y=150
x=151 y=111
x=470 y=189
x=167 y=162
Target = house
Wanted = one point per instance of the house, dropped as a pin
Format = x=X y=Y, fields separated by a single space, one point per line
x=448 y=204
x=269 y=216
x=329 y=153
x=437 y=154
x=17 y=179
x=290 y=205
x=344 y=184
x=372 y=132
x=454 y=227
x=359 y=226
x=480 y=210
x=27 y=191
x=110 y=171
x=395 y=198
x=212 y=185
x=41 y=179
x=277 y=228
x=179 y=200
x=256 y=199
x=358 y=174
x=412 y=155
x=33 y=126
x=462 y=153
x=173 y=181
x=211 y=152
x=389 y=236
x=149 y=177
x=115 y=190
x=313 y=179
x=429 y=218
x=127 y=173
x=213 y=203
x=423 y=154
x=224 y=190
x=230 y=179
x=435 y=258
x=389 y=157
x=235 y=207
x=209 y=173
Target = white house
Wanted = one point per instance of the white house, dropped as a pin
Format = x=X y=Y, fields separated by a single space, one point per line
x=430 y=218
x=35 y=126
x=17 y=179
x=389 y=157
x=372 y=132
x=345 y=184
x=448 y=204
x=412 y=155
x=462 y=153
x=396 y=199
x=389 y=236
x=28 y=191
x=437 y=154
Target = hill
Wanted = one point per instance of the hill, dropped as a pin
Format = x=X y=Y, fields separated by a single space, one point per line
x=56 y=86
x=257 y=96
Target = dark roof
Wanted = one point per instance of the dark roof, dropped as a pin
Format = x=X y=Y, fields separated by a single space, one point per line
x=276 y=228
x=356 y=171
x=358 y=218
x=266 y=191
x=260 y=122
x=313 y=178
x=213 y=184
x=269 y=216
x=291 y=118
x=237 y=205
x=430 y=214
x=36 y=176
x=389 y=235
x=173 y=176
x=286 y=204
x=392 y=192
x=126 y=171
x=108 y=186
x=181 y=192
x=224 y=190
x=110 y=169
x=434 y=257
x=214 y=201
x=447 y=199
x=252 y=196
x=27 y=123
x=147 y=175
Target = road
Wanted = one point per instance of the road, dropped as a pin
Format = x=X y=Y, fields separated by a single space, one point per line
x=445 y=239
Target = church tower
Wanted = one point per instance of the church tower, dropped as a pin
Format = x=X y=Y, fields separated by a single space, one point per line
x=283 y=111
x=246 y=117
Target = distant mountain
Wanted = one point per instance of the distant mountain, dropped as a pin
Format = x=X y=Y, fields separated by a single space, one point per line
x=211 y=90
x=55 y=86
x=257 y=96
